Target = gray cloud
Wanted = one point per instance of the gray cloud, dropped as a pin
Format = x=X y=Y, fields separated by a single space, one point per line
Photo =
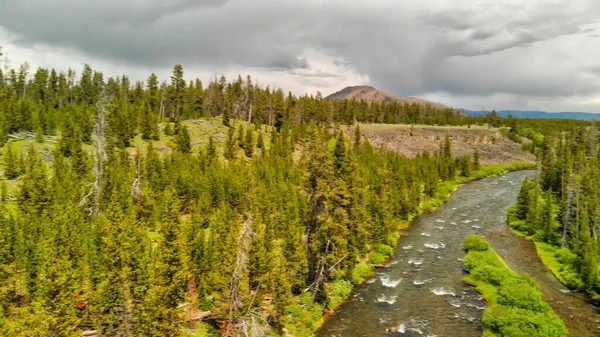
x=408 y=47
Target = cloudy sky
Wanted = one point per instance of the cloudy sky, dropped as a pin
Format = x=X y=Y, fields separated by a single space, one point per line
x=492 y=54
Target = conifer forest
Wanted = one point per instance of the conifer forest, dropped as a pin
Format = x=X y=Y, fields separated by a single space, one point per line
x=257 y=214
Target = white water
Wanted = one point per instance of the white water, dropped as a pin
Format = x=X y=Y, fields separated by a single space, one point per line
x=386 y=281
x=386 y=299
x=421 y=282
x=415 y=261
x=434 y=245
x=441 y=291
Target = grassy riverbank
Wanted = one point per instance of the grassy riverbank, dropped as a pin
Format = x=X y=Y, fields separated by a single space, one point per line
x=562 y=262
x=515 y=304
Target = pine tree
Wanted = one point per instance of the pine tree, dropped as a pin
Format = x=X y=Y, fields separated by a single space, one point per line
x=178 y=88
x=182 y=140
x=11 y=163
x=476 y=159
x=589 y=254
x=211 y=150
x=227 y=112
x=260 y=142
x=230 y=145
x=39 y=134
x=169 y=275
x=465 y=168
x=249 y=143
x=357 y=136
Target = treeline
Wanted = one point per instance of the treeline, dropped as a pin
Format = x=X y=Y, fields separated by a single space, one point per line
x=561 y=206
x=47 y=101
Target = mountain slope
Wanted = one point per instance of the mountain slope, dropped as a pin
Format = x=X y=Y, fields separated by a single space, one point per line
x=537 y=114
x=370 y=94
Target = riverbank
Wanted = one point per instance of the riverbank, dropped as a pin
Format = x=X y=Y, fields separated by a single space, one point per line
x=305 y=317
x=521 y=255
x=560 y=261
x=514 y=303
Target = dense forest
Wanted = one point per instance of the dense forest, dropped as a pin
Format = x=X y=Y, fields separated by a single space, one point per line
x=560 y=208
x=258 y=234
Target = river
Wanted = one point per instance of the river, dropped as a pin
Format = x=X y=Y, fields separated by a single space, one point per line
x=421 y=292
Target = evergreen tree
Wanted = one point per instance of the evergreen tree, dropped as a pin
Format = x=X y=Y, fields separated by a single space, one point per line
x=178 y=88
x=169 y=275
x=211 y=150
x=182 y=140
x=11 y=163
x=230 y=145
x=357 y=136
x=260 y=142
x=249 y=143
x=476 y=159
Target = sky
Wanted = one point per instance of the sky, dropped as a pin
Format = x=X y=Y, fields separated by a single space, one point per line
x=474 y=54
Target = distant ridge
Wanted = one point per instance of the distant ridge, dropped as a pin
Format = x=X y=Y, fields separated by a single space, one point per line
x=537 y=114
x=370 y=94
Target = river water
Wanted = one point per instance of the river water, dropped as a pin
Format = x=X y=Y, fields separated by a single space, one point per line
x=421 y=292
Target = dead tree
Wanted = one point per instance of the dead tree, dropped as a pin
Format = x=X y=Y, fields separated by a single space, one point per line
x=99 y=139
x=567 y=212
x=251 y=323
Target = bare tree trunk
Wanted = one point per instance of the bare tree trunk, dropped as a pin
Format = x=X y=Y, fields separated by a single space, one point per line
x=99 y=155
x=567 y=212
x=577 y=213
x=235 y=326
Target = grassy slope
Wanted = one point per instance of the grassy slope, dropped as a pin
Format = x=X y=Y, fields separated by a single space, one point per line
x=515 y=305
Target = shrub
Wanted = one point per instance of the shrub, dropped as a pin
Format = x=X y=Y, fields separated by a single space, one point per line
x=384 y=249
x=359 y=273
x=519 y=292
x=490 y=274
x=477 y=243
x=338 y=290
x=376 y=257
x=516 y=322
x=476 y=259
x=515 y=304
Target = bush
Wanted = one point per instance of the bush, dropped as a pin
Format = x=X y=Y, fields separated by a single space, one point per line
x=490 y=274
x=384 y=250
x=338 y=290
x=359 y=273
x=521 y=292
x=515 y=304
x=477 y=243
x=376 y=258
x=516 y=322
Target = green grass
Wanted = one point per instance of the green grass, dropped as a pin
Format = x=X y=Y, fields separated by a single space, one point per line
x=495 y=170
x=515 y=305
x=200 y=132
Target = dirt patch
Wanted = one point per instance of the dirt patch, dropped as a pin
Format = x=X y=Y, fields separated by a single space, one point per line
x=408 y=140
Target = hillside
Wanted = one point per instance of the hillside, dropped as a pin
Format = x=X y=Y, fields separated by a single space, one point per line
x=370 y=94
x=537 y=114
x=408 y=140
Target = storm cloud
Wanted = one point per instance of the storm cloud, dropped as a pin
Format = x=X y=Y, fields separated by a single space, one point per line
x=514 y=54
